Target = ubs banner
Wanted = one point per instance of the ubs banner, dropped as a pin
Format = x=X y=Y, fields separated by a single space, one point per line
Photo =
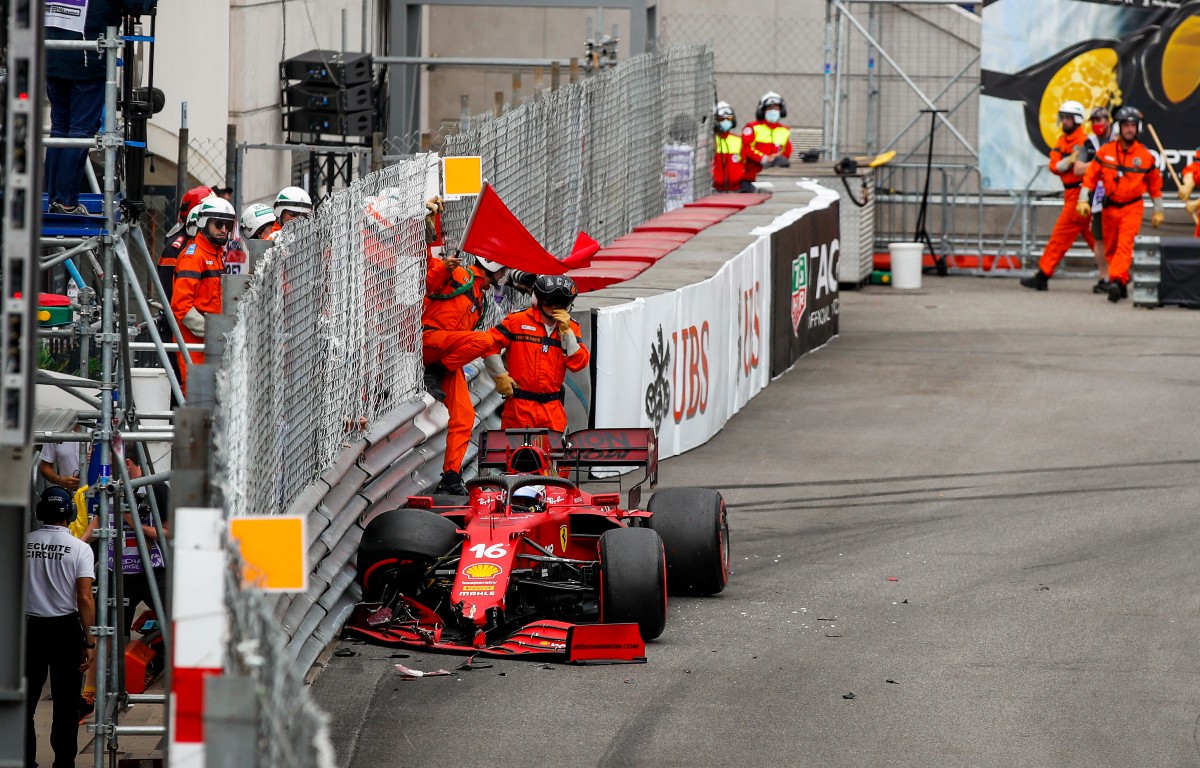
x=1036 y=54
x=804 y=268
x=684 y=362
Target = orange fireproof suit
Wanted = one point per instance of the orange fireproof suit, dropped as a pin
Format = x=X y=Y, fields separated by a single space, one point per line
x=1194 y=169
x=1070 y=224
x=454 y=305
x=1127 y=174
x=197 y=286
x=538 y=365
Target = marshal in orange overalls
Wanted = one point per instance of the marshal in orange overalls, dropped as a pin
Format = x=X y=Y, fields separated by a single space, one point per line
x=1127 y=173
x=197 y=286
x=1070 y=224
x=538 y=365
x=454 y=305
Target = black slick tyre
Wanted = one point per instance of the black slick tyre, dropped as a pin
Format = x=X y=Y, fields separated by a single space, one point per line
x=695 y=532
x=398 y=546
x=633 y=580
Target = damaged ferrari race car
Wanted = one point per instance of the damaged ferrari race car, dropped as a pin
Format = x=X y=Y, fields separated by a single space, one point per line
x=529 y=563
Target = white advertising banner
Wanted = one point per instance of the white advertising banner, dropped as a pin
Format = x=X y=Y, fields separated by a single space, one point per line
x=684 y=362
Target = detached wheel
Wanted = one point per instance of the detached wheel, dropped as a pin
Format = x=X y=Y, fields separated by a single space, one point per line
x=695 y=533
x=633 y=580
x=398 y=546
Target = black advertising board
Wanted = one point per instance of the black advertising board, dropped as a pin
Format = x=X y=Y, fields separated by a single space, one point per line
x=804 y=301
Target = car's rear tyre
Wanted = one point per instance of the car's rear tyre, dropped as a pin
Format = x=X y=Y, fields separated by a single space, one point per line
x=633 y=580
x=695 y=532
x=398 y=546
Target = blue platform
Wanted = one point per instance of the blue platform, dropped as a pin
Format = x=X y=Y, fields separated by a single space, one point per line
x=69 y=225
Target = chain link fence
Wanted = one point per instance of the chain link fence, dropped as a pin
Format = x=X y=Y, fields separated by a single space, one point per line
x=327 y=338
x=590 y=156
x=292 y=730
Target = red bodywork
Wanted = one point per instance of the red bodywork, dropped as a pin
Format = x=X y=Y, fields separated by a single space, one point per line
x=504 y=551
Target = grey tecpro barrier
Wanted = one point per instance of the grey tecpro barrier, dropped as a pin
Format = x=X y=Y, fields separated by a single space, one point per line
x=400 y=456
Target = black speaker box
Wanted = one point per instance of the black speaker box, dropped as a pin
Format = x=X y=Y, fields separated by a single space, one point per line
x=334 y=68
x=324 y=98
x=344 y=124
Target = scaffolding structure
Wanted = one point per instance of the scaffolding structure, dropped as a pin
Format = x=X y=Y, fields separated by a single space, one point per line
x=35 y=241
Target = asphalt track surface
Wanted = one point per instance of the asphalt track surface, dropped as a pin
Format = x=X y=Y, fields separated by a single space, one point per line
x=976 y=510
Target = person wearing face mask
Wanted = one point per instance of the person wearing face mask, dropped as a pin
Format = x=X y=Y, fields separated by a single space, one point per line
x=197 y=288
x=542 y=344
x=1101 y=134
x=767 y=142
x=728 y=167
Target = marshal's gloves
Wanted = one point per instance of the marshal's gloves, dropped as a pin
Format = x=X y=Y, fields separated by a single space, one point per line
x=563 y=318
x=504 y=384
x=1083 y=207
x=1156 y=219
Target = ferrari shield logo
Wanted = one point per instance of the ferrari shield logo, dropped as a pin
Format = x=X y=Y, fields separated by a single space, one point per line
x=562 y=538
x=799 y=291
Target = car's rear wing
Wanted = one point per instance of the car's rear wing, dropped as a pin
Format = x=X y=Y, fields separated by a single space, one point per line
x=617 y=449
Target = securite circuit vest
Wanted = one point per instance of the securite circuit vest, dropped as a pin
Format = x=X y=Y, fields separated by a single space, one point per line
x=728 y=167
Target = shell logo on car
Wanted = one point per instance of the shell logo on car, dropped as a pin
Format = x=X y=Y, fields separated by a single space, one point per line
x=482 y=571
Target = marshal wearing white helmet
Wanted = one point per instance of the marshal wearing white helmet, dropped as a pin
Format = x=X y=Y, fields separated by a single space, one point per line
x=197 y=291
x=256 y=221
x=1070 y=225
x=290 y=203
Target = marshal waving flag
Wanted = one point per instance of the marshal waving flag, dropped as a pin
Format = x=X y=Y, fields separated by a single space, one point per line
x=494 y=232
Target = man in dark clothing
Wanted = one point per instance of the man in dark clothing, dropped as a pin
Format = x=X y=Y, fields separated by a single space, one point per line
x=75 y=87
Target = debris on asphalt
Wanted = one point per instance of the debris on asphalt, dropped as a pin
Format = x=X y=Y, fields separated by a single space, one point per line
x=893 y=578
x=408 y=673
x=1043 y=588
x=471 y=664
x=890 y=680
x=345 y=652
x=905 y=601
x=400 y=656
x=848 y=695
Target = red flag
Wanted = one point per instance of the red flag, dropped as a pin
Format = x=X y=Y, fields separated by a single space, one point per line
x=496 y=234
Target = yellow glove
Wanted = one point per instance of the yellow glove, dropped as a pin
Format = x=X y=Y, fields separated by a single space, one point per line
x=504 y=384
x=564 y=319
x=1156 y=219
x=1083 y=207
x=1184 y=192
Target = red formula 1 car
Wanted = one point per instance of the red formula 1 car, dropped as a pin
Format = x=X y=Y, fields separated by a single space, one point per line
x=530 y=564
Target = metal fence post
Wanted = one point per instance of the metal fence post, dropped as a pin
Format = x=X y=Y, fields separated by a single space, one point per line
x=231 y=714
x=181 y=159
x=231 y=156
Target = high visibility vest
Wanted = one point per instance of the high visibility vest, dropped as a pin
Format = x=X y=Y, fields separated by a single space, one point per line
x=729 y=144
x=764 y=134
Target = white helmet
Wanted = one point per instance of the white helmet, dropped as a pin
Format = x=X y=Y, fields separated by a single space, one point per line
x=217 y=208
x=489 y=265
x=1074 y=109
x=191 y=227
x=529 y=497
x=292 y=199
x=254 y=218
x=724 y=109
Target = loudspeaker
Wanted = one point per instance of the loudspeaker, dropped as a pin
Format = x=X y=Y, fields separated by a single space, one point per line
x=324 y=98
x=335 y=68
x=341 y=124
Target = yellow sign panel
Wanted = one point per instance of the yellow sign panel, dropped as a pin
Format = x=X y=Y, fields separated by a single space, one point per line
x=461 y=177
x=274 y=552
